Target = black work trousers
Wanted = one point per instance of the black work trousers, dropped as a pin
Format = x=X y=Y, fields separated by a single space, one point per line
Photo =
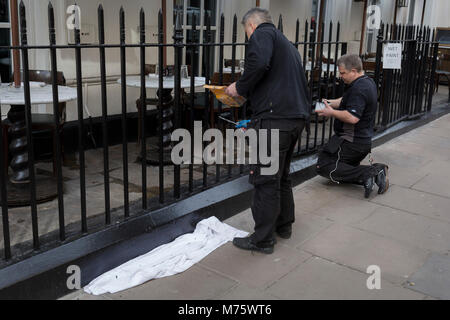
x=273 y=201
x=340 y=161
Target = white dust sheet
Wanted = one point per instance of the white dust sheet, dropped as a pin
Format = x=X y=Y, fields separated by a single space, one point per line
x=168 y=259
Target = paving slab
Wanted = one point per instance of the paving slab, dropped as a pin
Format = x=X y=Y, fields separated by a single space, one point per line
x=437 y=181
x=346 y=210
x=313 y=196
x=243 y=221
x=81 y=295
x=321 y=279
x=17 y=234
x=256 y=270
x=427 y=140
x=194 y=283
x=433 y=278
x=360 y=249
x=413 y=229
x=413 y=201
x=243 y=292
x=305 y=227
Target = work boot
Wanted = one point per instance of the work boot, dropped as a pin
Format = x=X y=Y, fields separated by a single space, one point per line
x=247 y=244
x=368 y=187
x=285 y=232
x=382 y=180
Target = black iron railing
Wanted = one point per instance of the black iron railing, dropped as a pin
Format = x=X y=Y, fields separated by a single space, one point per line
x=405 y=93
x=319 y=62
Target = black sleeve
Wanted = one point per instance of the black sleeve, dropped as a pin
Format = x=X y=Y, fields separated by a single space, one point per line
x=356 y=103
x=259 y=55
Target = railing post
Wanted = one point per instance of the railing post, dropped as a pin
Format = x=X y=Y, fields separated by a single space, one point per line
x=178 y=50
x=28 y=121
x=165 y=114
x=433 y=74
x=379 y=53
x=192 y=99
x=56 y=117
x=207 y=123
x=221 y=47
x=233 y=75
x=143 y=109
x=4 y=197
x=280 y=23
x=80 y=129
x=101 y=39
x=123 y=77
x=378 y=73
x=411 y=76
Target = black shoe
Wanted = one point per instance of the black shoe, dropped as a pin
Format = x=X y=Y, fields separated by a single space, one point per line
x=247 y=244
x=382 y=180
x=285 y=232
x=368 y=187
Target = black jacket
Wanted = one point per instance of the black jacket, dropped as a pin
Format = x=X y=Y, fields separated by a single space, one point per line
x=274 y=80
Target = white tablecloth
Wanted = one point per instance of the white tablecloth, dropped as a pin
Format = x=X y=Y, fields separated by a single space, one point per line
x=40 y=93
x=152 y=82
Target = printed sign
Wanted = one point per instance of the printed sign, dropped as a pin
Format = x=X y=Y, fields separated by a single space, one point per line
x=392 y=56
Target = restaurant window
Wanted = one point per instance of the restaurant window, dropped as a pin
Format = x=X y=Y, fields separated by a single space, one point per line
x=5 y=40
x=371 y=37
x=199 y=8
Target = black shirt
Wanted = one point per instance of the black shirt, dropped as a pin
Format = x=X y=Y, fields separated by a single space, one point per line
x=274 y=80
x=360 y=99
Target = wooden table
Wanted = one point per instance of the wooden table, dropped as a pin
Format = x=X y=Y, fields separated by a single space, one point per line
x=19 y=180
x=152 y=82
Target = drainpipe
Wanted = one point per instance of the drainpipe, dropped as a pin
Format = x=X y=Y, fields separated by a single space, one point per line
x=363 y=28
x=15 y=41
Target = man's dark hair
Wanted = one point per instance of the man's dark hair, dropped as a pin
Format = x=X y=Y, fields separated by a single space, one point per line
x=350 y=61
x=258 y=16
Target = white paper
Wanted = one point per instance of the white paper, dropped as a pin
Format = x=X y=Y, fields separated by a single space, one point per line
x=392 y=56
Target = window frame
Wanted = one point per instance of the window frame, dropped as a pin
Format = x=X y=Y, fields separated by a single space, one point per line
x=7 y=25
x=202 y=28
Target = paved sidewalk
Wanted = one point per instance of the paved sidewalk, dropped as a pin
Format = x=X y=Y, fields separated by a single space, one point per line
x=338 y=234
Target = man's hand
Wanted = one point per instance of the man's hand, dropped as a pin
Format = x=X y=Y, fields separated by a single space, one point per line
x=231 y=90
x=327 y=112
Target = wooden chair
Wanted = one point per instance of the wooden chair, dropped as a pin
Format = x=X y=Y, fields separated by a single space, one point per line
x=229 y=63
x=43 y=122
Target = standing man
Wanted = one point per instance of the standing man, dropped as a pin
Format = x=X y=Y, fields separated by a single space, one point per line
x=275 y=84
x=354 y=114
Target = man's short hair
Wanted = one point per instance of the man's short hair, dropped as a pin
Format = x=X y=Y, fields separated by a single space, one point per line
x=258 y=16
x=350 y=61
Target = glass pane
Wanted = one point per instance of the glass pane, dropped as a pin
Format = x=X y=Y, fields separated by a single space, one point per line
x=212 y=51
x=4 y=14
x=196 y=53
x=5 y=55
x=193 y=7
x=210 y=7
x=178 y=7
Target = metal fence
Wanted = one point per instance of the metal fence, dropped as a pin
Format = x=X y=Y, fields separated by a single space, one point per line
x=405 y=93
x=319 y=61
